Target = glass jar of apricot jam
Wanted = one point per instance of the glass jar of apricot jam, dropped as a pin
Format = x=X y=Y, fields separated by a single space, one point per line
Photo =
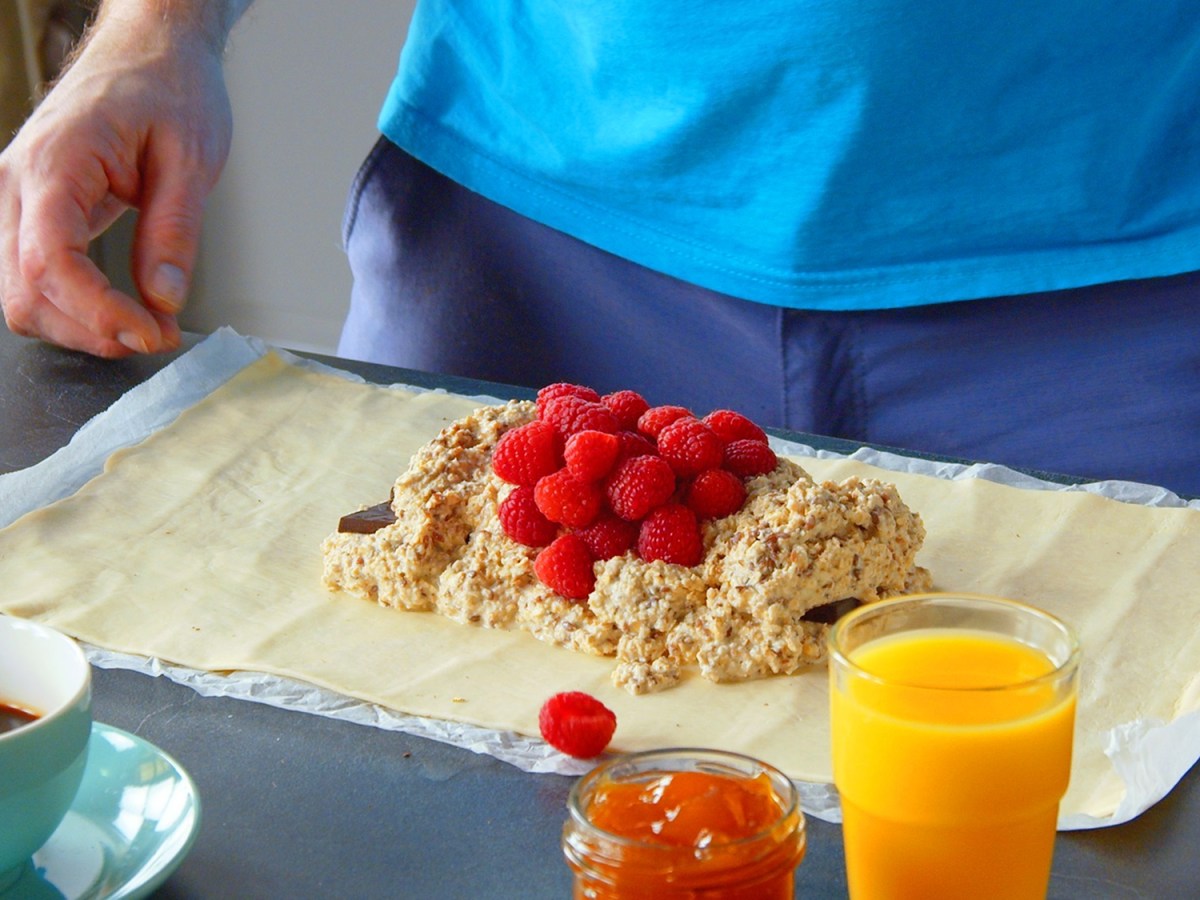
x=670 y=824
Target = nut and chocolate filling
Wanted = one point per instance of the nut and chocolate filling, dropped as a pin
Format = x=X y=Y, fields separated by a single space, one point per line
x=773 y=574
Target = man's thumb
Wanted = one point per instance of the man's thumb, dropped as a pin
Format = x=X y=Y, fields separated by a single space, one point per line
x=165 y=243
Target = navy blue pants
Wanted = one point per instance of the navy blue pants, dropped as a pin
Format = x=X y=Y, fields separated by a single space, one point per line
x=1098 y=382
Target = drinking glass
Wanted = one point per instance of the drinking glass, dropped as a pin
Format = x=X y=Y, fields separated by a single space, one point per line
x=952 y=723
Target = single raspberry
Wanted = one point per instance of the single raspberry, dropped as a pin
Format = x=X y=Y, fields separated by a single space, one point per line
x=566 y=567
x=638 y=485
x=526 y=453
x=627 y=406
x=565 y=499
x=564 y=389
x=571 y=414
x=523 y=521
x=690 y=446
x=577 y=724
x=672 y=534
x=656 y=418
x=635 y=444
x=733 y=426
x=609 y=536
x=746 y=458
x=590 y=455
x=715 y=493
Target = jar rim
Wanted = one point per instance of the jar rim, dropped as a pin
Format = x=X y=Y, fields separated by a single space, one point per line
x=687 y=759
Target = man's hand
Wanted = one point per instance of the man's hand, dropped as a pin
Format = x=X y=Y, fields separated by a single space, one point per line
x=141 y=119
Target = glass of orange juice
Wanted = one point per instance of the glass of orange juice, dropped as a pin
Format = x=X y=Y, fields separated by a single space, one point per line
x=952 y=722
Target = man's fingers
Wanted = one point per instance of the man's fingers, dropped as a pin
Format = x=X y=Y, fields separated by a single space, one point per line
x=30 y=314
x=172 y=337
x=53 y=262
x=51 y=324
x=82 y=292
x=167 y=235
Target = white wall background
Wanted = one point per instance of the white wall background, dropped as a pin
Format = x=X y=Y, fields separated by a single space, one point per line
x=306 y=79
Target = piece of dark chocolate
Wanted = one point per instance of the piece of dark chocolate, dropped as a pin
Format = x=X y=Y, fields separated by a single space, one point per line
x=828 y=613
x=369 y=520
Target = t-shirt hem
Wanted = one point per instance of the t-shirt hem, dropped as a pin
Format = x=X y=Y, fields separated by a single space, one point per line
x=713 y=268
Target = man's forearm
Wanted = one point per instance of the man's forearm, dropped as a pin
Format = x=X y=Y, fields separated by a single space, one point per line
x=212 y=20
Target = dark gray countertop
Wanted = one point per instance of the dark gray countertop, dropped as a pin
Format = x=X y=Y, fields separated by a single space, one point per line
x=297 y=805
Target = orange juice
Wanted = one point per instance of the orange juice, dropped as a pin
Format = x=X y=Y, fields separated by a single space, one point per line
x=951 y=752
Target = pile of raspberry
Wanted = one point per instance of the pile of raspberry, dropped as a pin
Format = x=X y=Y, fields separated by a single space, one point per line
x=597 y=476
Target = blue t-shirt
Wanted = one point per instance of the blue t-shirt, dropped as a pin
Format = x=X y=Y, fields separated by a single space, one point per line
x=825 y=154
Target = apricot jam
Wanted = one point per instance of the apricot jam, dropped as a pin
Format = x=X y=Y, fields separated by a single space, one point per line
x=674 y=824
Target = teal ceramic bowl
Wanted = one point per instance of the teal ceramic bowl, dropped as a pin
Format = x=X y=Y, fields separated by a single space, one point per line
x=41 y=763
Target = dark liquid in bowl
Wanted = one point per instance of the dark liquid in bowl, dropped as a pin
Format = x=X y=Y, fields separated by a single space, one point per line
x=13 y=717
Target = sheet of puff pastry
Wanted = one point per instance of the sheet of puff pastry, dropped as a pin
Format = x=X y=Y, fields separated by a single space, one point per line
x=201 y=546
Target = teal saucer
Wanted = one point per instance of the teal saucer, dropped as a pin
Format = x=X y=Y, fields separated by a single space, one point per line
x=134 y=819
